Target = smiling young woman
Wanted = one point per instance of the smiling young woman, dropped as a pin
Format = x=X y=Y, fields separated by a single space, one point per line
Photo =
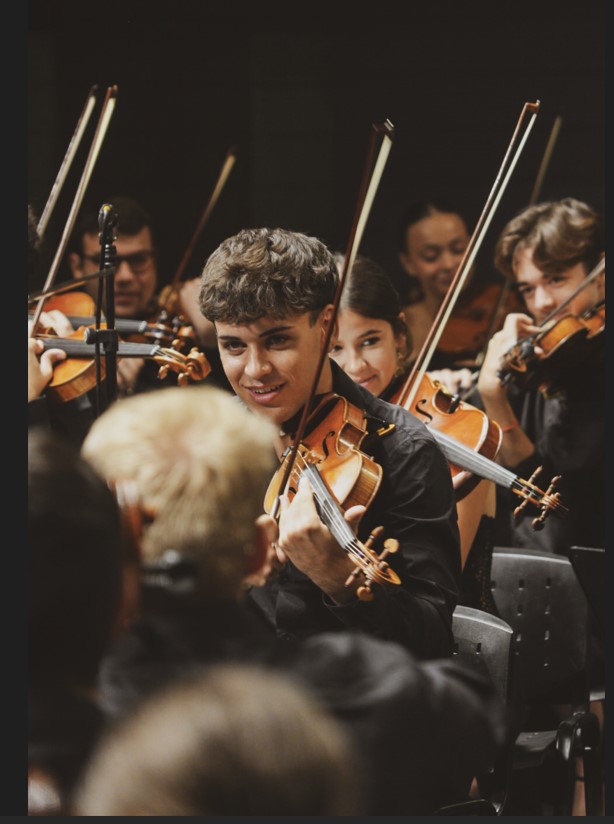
x=372 y=346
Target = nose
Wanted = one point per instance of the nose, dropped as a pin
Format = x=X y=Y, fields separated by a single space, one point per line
x=354 y=362
x=543 y=300
x=449 y=260
x=123 y=272
x=257 y=365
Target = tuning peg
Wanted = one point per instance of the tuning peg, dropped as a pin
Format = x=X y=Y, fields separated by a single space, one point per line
x=391 y=545
x=364 y=592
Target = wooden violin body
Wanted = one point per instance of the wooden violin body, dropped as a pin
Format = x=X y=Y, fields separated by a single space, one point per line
x=565 y=342
x=341 y=476
x=475 y=317
x=467 y=424
x=171 y=345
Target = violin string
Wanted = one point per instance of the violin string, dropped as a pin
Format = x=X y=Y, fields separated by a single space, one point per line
x=461 y=455
x=330 y=510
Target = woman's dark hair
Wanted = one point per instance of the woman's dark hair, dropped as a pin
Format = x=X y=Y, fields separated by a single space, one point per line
x=370 y=292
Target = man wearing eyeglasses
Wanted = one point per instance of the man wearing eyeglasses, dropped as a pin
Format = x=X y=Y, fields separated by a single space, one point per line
x=136 y=287
x=136 y=277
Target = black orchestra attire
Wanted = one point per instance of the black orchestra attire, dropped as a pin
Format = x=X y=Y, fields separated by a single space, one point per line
x=70 y=419
x=397 y=711
x=568 y=431
x=415 y=504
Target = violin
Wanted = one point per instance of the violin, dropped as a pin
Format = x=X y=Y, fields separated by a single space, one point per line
x=566 y=342
x=474 y=319
x=77 y=374
x=447 y=413
x=341 y=476
x=162 y=329
x=470 y=441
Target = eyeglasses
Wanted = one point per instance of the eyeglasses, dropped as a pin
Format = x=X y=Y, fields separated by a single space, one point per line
x=137 y=261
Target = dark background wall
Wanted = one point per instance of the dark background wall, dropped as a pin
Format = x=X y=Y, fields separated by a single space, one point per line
x=295 y=88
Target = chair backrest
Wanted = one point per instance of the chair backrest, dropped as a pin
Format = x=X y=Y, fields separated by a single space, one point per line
x=538 y=594
x=589 y=565
x=480 y=633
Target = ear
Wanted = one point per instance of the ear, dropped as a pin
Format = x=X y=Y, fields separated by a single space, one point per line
x=74 y=261
x=402 y=339
x=335 y=335
x=326 y=315
x=405 y=263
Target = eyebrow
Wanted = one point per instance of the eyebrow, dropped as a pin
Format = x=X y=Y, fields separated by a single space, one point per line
x=374 y=331
x=273 y=331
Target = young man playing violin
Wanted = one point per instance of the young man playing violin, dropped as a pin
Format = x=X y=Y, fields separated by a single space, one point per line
x=549 y=250
x=270 y=294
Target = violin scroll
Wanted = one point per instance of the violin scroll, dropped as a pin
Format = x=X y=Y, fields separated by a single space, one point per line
x=193 y=366
x=548 y=501
x=391 y=545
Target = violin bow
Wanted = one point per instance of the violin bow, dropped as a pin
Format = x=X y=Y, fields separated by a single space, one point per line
x=101 y=129
x=445 y=310
x=535 y=194
x=67 y=162
x=373 y=170
x=543 y=167
x=227 y=165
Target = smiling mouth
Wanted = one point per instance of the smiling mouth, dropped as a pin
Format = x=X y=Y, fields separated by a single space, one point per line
x=259 y=391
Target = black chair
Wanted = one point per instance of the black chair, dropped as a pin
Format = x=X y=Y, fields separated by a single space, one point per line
x=480 y=633
x=538 y=594
x=589 y=565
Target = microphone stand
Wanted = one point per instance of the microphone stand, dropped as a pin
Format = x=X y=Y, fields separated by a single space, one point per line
x=108 y=338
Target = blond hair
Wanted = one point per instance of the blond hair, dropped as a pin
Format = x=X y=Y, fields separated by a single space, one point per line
x=236 y=740
x=201 y=463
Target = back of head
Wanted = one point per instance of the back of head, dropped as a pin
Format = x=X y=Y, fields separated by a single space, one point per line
x=561 y=234
x=236 y=741
x=267 y=272
x=74 y=564
x=201 y=464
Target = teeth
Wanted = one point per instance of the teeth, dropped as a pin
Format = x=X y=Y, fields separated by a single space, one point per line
x=265 y=390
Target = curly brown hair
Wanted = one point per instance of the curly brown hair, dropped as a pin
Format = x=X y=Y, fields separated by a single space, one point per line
x=267 y=273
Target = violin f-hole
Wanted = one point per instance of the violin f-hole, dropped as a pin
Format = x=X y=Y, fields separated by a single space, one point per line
x=422 y=411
